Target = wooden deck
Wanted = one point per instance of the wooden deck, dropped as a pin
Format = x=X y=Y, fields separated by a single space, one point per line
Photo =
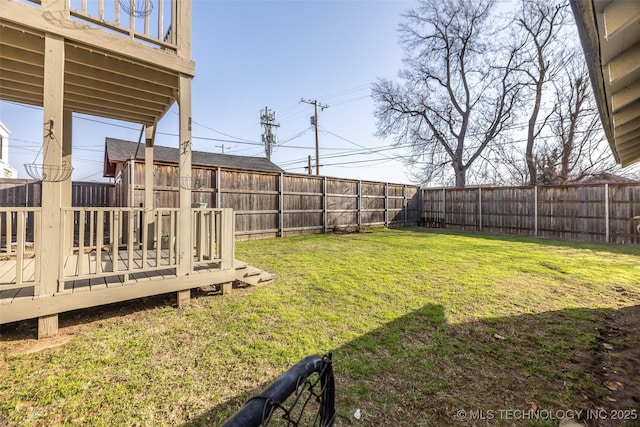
x=120 y=257
x=157 y=266
x=122 y=264
x=23 y=303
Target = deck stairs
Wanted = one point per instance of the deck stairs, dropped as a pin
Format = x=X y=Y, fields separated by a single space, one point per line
x=251 y=275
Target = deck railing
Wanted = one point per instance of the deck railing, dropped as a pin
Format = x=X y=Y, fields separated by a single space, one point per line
x=19 y=233
x=98 y=243
x=103 y=242
x=207 y=235
x=122 y=241
x=148 y=21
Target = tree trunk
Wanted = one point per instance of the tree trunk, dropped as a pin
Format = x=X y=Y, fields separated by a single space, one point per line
x=531 y=163
x=460 y=173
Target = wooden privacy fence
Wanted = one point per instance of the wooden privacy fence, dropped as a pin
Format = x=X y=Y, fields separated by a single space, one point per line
x=266 y=204
x=270 y=204
x=27 y=193
x=594 y=213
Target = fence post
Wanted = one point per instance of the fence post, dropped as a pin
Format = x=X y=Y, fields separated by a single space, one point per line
x=479 y=208
x=324 y=204
x=420 y=206
x=443 y=220
x=281 y=205
x=218 y=187
x=606 y=212
x=386 y=204
x=404 y=205
x=359 y=201
x=535 y=210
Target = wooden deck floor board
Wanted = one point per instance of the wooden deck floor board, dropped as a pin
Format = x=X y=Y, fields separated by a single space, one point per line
x=29 y=270
x=8 y=272
x=106 y=279
x=6 y=269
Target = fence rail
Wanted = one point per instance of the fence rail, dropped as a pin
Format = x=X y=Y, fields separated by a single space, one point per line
x=594 y=213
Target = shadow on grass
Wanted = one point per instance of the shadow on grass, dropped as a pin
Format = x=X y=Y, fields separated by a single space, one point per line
x=421 y=370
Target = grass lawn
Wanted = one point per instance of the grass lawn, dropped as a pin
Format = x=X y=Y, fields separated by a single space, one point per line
x=422 y=324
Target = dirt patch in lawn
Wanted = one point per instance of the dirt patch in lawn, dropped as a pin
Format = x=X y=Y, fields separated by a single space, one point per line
x=618 y=367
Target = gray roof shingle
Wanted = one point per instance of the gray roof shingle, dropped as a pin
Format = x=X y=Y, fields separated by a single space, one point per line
x=117 y=150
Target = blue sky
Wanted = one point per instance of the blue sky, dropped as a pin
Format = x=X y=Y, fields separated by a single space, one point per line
x=252 y=54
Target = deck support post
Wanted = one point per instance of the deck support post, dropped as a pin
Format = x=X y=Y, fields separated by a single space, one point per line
x=226 y=288
x=66 y=190
x=150 y=224
x=185 y=243
x=52 y=247
x=227 y=238
x=47 y=326
x=184 y=298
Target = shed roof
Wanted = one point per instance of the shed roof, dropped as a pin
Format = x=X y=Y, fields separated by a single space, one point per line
x=119 y=151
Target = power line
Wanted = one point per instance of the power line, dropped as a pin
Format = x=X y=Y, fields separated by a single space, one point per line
x=376 y=161
x=89 y=176
x=351 y=142
x=347 y=101
x=355 y=153
x=217 y=131
x=347 y=91
x=298 y=135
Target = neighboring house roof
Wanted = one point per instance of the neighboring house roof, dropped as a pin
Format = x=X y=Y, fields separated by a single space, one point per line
x=607 y=178
x=610 y=37
x=119 y=151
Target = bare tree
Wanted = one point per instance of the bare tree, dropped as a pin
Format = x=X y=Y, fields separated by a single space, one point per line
x=576 y=147
x=540 y=23
x=457 y=94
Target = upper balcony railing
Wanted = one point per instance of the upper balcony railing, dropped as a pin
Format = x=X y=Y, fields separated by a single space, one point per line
x=151 y=22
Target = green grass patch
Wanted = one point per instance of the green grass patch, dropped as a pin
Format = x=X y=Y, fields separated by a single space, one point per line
x=420 y=323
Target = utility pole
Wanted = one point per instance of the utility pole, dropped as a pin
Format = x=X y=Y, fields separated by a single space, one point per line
x=223 y=147
x=314 y=122
x=267 y=119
